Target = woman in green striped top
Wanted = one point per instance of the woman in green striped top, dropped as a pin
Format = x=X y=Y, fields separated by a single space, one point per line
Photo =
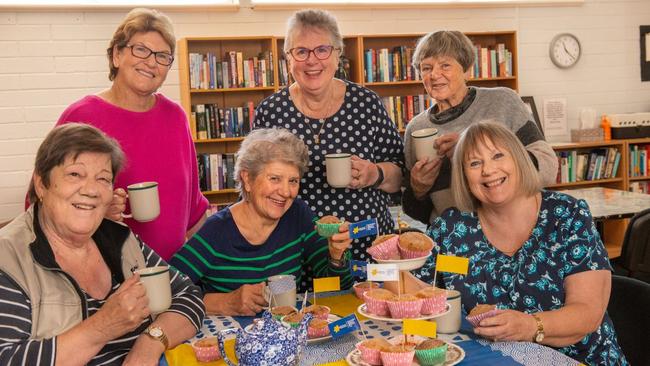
x=269 y=232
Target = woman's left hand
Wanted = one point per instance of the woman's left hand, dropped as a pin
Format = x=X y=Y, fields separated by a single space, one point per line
x=339 y=243
x=508 y=325
x=364 y=173
x=118 y=205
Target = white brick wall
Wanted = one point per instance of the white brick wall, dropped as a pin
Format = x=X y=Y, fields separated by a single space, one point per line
x=50 y=59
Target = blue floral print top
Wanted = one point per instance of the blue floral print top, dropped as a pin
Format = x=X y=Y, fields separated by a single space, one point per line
x=563 y=242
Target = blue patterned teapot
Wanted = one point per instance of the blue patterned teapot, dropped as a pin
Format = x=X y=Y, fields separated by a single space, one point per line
x=267 y=342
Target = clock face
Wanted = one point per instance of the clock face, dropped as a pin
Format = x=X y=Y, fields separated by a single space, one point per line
x=565 y=50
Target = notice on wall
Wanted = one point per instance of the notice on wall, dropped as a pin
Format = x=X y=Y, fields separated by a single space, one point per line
x=555 y=123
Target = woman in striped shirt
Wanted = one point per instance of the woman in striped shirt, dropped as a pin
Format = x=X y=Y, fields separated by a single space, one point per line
x=68 y=293
x=269 y=232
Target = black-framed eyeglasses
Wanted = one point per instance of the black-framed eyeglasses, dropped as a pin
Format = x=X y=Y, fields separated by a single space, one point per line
x=143 y=52
x=322 y=52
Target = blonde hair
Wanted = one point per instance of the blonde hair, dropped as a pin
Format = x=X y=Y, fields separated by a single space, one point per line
x=482 y=133
x=139 y=20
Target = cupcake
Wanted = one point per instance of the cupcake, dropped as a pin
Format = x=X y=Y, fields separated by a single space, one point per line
x=361 y=287
x=435 y=300
x=405 y=306
x=328 y=226
x=398 y=355
x=385 y=247
x=431 y=352
x=318 y=311
x=206 y=349
x=376 y=301
x=371 y=350
x=414 y=245
x=317 y=328
x=293 y=319
x=279 y=311
x=480 y=312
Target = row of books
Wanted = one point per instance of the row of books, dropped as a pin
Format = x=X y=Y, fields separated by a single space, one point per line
x=491 y=62
x=233 y=71
x=639 y=160
x=402 y=109
x=640 y=187
x=216 y=171
x=385 y=65
x=213 y=122
x=582 y=166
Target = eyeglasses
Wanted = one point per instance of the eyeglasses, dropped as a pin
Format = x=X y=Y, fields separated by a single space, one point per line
x=143 y=52
x=322 y=52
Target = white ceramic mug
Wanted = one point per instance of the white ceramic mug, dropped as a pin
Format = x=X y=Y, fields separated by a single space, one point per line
x=339 y=169
x=143 y=201
x=284 y=298
x=450 y=322
x=423 y=143
x=159 y=291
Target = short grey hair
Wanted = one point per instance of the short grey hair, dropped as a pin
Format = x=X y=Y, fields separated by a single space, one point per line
x=268 y=145
x=453 y=44
x=500 y=136
x=313 y=19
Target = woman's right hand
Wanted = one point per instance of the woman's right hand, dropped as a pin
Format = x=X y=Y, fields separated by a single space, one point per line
x=423 y=174
x=247 y=300
x=118 y=205
x=124 y=310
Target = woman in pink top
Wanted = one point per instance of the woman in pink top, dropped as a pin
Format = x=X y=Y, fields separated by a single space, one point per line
x=152 y=130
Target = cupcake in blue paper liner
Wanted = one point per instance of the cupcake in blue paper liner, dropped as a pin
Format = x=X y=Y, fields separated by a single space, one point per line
x=431 y=352
x=328 y=226
x=480 y=312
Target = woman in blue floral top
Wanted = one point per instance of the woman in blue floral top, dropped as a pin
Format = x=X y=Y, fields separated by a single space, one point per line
x=535 y=254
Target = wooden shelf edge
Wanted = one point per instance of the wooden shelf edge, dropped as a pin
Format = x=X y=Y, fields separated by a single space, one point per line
x=584 y=183
x=232 y=90
x=645 y=177
x=218 y=192
x=226 y=139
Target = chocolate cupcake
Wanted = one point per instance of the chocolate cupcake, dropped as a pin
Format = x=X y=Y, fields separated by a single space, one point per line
x=414 y=245
x=328 y=226
x=385 y=247
x=480 y=312
x=431 y=352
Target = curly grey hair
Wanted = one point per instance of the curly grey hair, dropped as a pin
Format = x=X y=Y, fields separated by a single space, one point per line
x=313 y=19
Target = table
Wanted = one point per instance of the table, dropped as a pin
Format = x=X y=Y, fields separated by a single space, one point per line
x=478 y=351
x=608 y=203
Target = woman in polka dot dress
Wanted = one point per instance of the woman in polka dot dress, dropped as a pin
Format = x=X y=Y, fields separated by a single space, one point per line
x=335 y=116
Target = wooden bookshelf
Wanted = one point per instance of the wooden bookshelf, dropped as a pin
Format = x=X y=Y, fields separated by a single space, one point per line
x=353 y=51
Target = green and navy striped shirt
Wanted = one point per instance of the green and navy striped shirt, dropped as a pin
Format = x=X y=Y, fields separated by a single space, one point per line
x=220 y=259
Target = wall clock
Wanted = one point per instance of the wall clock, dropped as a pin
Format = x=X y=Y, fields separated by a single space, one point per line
x=565 y=50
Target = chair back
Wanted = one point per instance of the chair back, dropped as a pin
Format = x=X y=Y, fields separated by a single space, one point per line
x=628 y=308
x=635 y=253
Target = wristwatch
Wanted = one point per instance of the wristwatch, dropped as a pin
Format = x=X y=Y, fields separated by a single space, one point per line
x=539 y=334
x=158 y=334
x=380 y=177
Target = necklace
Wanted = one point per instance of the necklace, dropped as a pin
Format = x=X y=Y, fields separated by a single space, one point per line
x=328 y=111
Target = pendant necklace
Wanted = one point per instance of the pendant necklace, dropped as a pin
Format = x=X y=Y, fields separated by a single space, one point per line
x=322 y=121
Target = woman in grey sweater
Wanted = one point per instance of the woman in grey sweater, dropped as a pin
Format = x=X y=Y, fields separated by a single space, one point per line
x=443 y=59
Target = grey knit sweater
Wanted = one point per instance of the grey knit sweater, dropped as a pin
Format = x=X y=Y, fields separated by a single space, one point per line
x=499 y=104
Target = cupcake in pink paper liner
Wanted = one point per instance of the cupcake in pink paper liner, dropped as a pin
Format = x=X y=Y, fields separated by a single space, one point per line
x=371 y=350
x=414 y=245
x=317 y=328
x=398 y=355
x=376 y=301
x=385 y=247
x=405 y=306
x=434 y=300
x=480 y=312
x=206 y=349
x=361 y=287
x=318 y=311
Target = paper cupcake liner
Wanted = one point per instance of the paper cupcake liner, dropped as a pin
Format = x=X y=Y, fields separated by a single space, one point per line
x=476 y=319
x=410 y=254
x=434 y=305
x=397 y=358
x=385 y=250
x=317 y=332
x=206 y=354
x=327 y=230
x=370 y=355
x=360 y=290
x=376 y=306
x=324 y=315
x=432 y=357
x=405 y=309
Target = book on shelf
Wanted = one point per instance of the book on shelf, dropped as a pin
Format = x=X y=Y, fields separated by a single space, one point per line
x=639 y=160
x=384 y=65
x=402 y=109
x=213 y=122
x=491 y=62
x=215 y=171
x=640 y=187
x=576 y=166
x=234 y=71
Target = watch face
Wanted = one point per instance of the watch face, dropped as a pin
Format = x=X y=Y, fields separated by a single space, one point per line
x=539 y=337
x=565 y=50
x=155 y=332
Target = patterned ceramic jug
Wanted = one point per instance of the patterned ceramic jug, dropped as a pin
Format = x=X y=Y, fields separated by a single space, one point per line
x=267 y=342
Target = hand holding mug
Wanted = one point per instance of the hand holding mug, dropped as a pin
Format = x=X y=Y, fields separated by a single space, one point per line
x=339 y=243
x=118 y=205
x=446 y=144
x=124 y=310
x=364 y=173
x=247 y=300
x=423 y=174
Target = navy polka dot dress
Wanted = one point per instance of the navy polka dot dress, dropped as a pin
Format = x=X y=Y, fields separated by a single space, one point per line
x=361 y=127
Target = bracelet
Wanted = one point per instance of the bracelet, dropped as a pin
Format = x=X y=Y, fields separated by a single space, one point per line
x=380 y=177
x=338 y=263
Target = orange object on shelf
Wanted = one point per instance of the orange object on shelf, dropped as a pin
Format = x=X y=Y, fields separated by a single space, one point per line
x=606 y=126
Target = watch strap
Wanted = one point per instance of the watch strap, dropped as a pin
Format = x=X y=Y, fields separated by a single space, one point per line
x=162 y=337
x=380 y=177
x=539 y=333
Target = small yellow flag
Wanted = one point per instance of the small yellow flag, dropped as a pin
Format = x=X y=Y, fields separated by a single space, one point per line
x=419 y=327
x=450 y=263
x=327 y=284
x=337 y=363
